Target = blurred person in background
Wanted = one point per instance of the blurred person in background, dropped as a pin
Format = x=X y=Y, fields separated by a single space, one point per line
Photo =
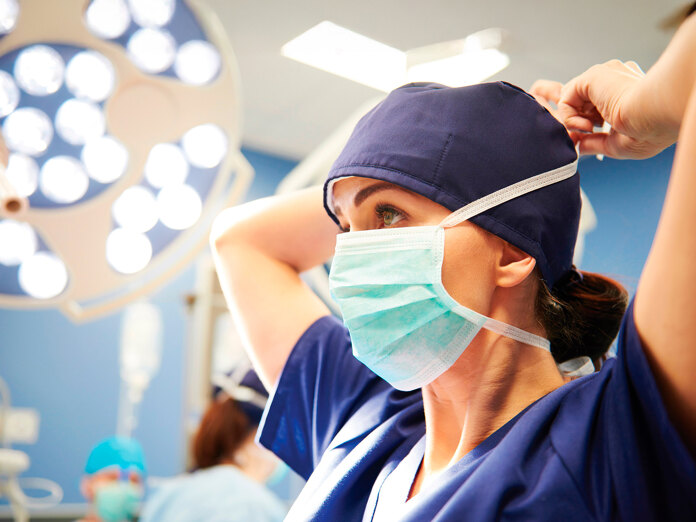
x=234 y=478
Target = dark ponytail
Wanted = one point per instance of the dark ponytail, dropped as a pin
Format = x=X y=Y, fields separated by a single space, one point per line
x=221 y=433
x=581 y=315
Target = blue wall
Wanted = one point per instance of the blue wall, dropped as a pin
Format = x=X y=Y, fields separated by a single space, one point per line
x=70 y=374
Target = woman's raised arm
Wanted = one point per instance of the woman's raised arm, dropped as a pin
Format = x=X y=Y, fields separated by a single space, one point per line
x=260 y=248
x=646 y=114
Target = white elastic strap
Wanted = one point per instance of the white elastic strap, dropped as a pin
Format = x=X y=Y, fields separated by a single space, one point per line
x=577 y=367
x=510 y=192
x=515 y=333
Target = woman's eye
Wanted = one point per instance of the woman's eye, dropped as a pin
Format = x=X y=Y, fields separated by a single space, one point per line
x=388 y=216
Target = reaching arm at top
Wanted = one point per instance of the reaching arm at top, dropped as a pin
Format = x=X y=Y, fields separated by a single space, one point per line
x=648 y=113
x=260 y=249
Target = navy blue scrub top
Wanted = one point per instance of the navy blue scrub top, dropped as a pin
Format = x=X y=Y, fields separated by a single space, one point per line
x=598 y=448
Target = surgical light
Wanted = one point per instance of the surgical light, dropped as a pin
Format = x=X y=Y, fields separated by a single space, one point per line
x=152 y=50
x=9 y=10
x=205 y=145
x=197 y=62
x=135 y=209
x=105 y=159
x=63 y=179
x=43 y=275
x=18 y=242
x=23 y=173
x=90 y=75
x=119 y=160
x=78 y=121
x=108 y=18
x=39 y=70
x=166 y=165
x=28 y=130
x=179 y=206
x=152 y=13
x=9 y=94
x=127 y=251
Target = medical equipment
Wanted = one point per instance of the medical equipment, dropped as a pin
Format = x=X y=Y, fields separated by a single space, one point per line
x=122 y=120
x=14 y=462
x=140 y=357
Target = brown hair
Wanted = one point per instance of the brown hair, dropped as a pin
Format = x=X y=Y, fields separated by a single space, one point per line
x=222 y=431
x=581 y=315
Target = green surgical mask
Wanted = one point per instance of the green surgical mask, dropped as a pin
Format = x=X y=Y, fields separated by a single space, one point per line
x=117 y=501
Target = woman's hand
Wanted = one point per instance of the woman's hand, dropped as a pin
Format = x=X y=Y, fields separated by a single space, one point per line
x=614 y=92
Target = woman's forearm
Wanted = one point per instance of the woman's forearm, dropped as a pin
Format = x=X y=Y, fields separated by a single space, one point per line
x=260 y=249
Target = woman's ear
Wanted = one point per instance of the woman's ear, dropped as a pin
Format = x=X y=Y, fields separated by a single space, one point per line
x=514 y=266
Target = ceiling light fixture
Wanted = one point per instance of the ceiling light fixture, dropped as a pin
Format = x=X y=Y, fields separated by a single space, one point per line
x=348 y=54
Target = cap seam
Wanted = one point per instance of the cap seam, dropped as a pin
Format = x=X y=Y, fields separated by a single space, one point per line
x=443 y=154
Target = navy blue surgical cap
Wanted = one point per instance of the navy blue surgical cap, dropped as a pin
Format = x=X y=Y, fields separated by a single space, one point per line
x=456 y=145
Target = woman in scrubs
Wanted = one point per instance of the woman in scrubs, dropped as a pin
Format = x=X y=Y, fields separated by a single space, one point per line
x=445 y=396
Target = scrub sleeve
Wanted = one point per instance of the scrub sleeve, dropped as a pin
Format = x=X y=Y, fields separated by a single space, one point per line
x=599 y=448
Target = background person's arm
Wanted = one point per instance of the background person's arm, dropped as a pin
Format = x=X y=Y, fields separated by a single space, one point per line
x=646 y=113
x=260 y=248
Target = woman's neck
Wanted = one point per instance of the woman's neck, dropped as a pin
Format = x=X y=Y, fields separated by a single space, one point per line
x=493 y=380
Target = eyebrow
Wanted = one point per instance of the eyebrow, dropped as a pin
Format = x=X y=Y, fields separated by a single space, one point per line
x=365 y=193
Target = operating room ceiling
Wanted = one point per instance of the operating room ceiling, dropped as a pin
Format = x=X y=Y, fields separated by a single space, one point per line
x=289 y=107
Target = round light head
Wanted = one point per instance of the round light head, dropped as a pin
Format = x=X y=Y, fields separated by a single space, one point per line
x=18 y=242
x=63 y=179
x=107 y=18
x=23 y=172
x=79 y=121
x=166 y=165
x=152 y=13
x=135 y=209
x=39 y=70
x=28 y=130
x=197 y=62
x=152 y=50
x=90 y=75
x=9 y=94
x=179 y=206
x=205 y=145
x=105 y=159
x=127 y=251
x=43 y=275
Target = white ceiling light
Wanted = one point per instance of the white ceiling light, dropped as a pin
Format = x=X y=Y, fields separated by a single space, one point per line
x=205 y=145
x=63 y=179
x=152 y=13
x=43 y=275
x=9 y=10
x=127 y=251
x=179 y=206
x=152 y=50
x=39 y=70
x=166 y=165
x=90 y=75
x=105 y=159
x=17 y=242
x=340 y=51
x=107 y=18
x=9 y=94
x=197 y=62
x=23 y=172
x=78 y=121
x=135 y=209
x=28 y=130
x=350 y=55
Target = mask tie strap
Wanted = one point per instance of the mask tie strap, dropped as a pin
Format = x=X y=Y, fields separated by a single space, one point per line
x=510 y=192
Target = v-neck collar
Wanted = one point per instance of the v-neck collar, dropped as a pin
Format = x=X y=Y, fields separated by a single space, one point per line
x=392 y=500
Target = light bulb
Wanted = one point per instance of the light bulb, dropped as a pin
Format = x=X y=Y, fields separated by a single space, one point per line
x=107 y=18
x=9 y=11
x=152 y=13
x=63 y=179
x=39 y=70
x=78 y=121
x=17 y=242
x=179 y=206
x=43 y=275
x=90 y=75
x=135 y=209
x=28 y=130
x=205 y=146
x=23 y=172
x=152 y=50
x=9 y=94
x=105 y=159
x=166 y=165
x=127 y=251
x=197 y=62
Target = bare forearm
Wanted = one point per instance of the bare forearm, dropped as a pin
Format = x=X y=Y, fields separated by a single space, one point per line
x=259 y=250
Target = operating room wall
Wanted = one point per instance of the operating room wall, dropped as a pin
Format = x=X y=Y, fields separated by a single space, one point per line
x=69 y=373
